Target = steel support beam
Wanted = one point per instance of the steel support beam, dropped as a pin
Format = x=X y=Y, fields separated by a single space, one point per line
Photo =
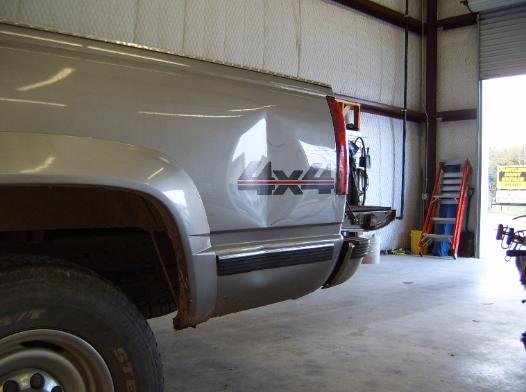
x=382 y=109
x=431 y=95
x=384 y=13
x=457 y=115
x=458 y=21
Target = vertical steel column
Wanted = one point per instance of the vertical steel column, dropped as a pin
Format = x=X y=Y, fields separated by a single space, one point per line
x=431 y=95
x=404 y=130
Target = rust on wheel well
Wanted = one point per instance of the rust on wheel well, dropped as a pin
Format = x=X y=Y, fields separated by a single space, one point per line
x=128 y=237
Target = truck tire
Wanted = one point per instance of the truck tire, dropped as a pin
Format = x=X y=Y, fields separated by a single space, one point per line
x=63 y=328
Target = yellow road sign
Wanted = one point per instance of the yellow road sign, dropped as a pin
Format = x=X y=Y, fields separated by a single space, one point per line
x=511 y=177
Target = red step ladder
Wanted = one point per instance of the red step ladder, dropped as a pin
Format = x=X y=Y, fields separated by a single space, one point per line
x=451 y=187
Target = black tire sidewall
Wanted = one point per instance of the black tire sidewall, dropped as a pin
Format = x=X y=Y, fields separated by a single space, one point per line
x=88 y=307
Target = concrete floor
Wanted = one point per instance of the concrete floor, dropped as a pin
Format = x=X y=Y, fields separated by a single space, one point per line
x=406 y=324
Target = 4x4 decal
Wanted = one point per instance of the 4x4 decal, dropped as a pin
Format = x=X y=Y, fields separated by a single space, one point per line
x=275 y=182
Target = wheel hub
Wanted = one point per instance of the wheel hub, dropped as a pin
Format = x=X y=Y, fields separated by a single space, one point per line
x=51 y=361
x=27 y=380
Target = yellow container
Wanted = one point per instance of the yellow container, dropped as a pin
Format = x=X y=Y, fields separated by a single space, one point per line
x=415 y=239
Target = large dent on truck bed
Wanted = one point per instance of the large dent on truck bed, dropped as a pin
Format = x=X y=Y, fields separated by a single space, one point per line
x=30 y=158
x=210 y=118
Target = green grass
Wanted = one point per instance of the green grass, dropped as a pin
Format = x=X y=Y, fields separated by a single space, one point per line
x=507 y=210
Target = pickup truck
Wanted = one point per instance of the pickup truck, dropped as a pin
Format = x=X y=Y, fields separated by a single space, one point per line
x=135 y=183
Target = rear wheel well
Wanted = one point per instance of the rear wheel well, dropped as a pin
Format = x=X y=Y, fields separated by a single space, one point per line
x=125 y=236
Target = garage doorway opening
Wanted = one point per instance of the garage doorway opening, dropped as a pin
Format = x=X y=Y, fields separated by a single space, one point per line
x=503 y=160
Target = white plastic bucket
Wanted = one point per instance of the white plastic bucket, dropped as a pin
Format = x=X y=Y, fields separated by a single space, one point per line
x=373 y=257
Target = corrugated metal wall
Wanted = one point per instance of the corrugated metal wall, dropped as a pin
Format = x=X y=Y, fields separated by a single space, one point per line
x=319 y=40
